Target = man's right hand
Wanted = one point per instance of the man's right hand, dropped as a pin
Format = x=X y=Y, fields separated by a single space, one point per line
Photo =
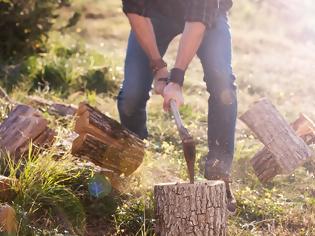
x=160 y=80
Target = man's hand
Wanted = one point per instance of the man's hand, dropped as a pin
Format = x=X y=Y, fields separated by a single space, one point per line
x=172 y=91
x=160 y=80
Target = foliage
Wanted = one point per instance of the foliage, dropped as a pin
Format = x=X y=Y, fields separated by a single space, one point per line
x=24 y=25
x=47 y=193
x=65 y=68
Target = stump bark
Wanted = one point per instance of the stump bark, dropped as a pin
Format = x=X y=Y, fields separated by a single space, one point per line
x=105 y=142
x=24 y=125
x=284 y=150
x=265 y=164
x=191 y=209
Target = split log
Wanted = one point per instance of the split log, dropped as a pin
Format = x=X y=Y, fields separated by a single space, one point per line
x=285 y=150
x=6 y=191
x=54 y=108
x=191 y=209
x=8 y=222
x=24 y=125
x=265 y=164
x=105 y=142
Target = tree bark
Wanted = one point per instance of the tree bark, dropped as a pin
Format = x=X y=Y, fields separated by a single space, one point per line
x=53 y=108
x=191 y=209
x=105 y=142
x=23 y=125
x=288 y=150
x=265 y=164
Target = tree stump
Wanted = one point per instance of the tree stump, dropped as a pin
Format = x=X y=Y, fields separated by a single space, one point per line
x=105 y=142
x=191 y=209
x=24 y=125
x=8 y=222
x=265 y=164
x=284 y=151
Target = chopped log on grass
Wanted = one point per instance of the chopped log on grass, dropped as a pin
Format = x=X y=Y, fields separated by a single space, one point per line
x=191 y=209
x=54 y=108
x=23 y=126
x=8 y=222
x=284 y=150
x=6 y=191
x=105 y=142
x=265 y=164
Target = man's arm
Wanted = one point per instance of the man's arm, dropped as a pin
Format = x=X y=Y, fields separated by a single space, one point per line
x=188 y=46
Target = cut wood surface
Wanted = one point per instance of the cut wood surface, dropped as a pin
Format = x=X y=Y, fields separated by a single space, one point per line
x=105 y=142
x=191 y=209
x=23 y=125
x=8 y=222
x=265 y=164
x=289 y=150
x=54 y=108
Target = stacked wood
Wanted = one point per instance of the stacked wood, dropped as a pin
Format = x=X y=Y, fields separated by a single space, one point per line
x=105 y=142
x=54 y=108
x=24 y=125
x=8 y=222
x=191 y=209
x=265 y=164
x=284 y=150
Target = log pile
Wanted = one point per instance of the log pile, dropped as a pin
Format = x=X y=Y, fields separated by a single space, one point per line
x=191 y=209
x=105 y=142
x=285 y=146
x=23 y=126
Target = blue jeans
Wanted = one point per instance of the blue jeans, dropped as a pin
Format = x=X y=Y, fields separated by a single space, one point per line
x=215 y=57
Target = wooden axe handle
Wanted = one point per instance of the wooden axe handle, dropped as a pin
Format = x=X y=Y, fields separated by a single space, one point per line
x=178 y=119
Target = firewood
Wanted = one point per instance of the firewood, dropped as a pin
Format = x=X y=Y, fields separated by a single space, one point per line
x=191 y=209
x=284 y=150
x=54 y=108
x=265 y=164
x=6 y=191
x=23 y=125
x=105 y=142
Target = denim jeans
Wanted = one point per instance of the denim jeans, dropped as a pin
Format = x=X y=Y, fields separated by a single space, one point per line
x=215 y=57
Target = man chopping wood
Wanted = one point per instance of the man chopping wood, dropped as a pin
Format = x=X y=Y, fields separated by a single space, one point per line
x=205 y=33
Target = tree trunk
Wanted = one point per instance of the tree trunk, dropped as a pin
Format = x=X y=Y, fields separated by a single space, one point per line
x=105 y=142
x=191 y=209
x=288 y=150
x=23 y=125
x=265 y=164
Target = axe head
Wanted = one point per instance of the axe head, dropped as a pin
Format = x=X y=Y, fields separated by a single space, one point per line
x=189 y=148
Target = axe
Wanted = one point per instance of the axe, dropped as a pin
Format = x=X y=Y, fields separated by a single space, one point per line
x=189 y=146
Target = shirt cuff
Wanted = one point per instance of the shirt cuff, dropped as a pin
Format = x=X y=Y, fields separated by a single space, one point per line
x=134 y=6
x=203 y=11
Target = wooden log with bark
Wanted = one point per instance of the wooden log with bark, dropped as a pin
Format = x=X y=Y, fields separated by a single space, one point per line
x=53 y=108
x=284 y=150
x=105 y=142
x=23 y=126
x=265 y=164
x=191 y=209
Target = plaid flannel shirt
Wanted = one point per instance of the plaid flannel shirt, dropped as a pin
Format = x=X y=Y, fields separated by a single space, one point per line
x=182 y=10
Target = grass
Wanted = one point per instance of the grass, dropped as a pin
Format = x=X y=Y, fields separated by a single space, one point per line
x=273 y=56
